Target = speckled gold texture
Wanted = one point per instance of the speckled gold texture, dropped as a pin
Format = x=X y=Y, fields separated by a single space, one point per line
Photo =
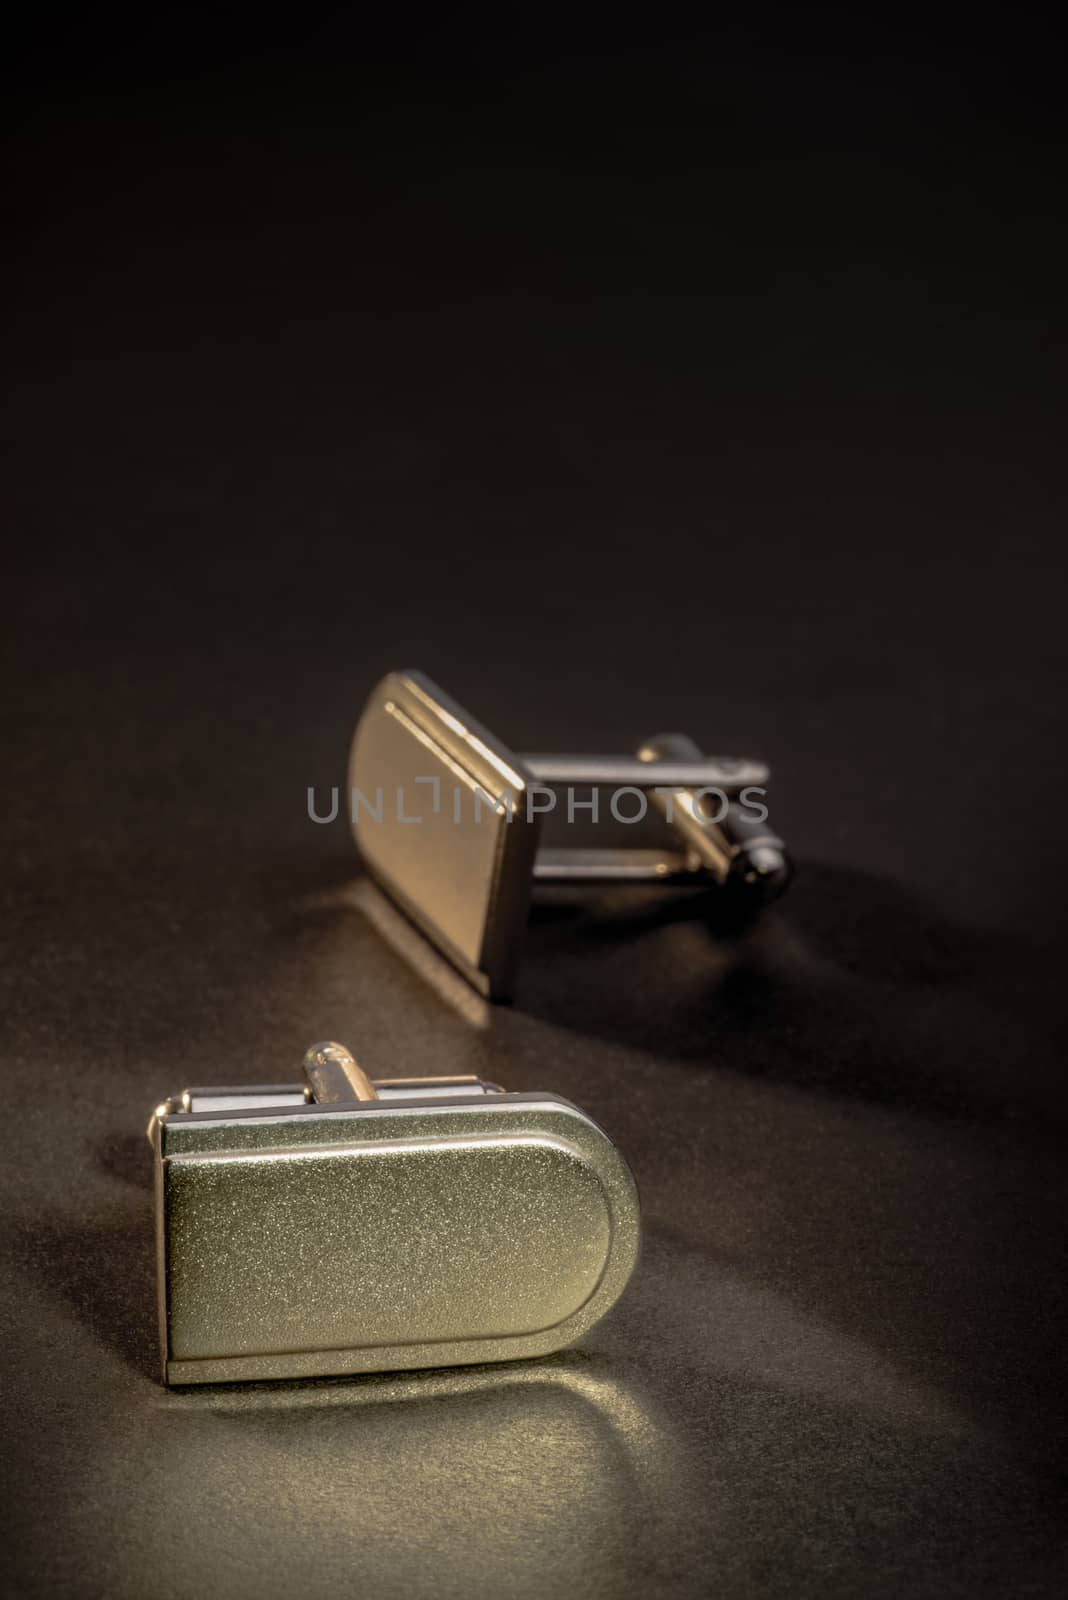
x=335 y=1240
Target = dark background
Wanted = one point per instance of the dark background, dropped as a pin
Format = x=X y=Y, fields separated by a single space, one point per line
x=619 y=379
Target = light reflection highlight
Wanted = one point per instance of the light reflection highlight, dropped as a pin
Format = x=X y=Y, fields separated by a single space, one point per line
x=545 y=1477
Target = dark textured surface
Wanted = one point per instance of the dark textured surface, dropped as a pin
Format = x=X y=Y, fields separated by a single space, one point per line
x=711 y=391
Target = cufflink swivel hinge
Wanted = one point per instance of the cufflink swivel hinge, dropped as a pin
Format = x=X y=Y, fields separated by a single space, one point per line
x=731 y=847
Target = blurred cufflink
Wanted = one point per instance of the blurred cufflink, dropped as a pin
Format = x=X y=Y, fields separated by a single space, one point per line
x=448 y=819
x=343 y=1225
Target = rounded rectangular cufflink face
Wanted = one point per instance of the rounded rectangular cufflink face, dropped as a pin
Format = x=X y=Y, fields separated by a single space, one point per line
x=341 y=1239
x=441 y=821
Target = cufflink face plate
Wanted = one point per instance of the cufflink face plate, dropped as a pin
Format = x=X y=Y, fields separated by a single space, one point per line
x=458 y=865
x=429 y=1226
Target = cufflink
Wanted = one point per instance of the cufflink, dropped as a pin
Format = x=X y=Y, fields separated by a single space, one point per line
x=343 y=1225
x=447 y=820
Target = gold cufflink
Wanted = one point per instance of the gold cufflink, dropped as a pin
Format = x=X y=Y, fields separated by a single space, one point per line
x=447 y=819
x=344 y=1225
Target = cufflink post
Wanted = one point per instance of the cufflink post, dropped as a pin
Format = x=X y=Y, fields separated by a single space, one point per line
x=331 y=1077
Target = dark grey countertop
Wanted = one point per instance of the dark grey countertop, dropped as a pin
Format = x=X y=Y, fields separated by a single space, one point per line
x=710 y=395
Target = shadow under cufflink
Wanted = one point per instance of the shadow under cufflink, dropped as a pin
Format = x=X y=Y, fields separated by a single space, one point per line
x=860 y=989
x=105 y=1274
x=855 y=987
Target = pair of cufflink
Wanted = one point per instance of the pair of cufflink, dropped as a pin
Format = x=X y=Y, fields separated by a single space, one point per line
x=342 y=1225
